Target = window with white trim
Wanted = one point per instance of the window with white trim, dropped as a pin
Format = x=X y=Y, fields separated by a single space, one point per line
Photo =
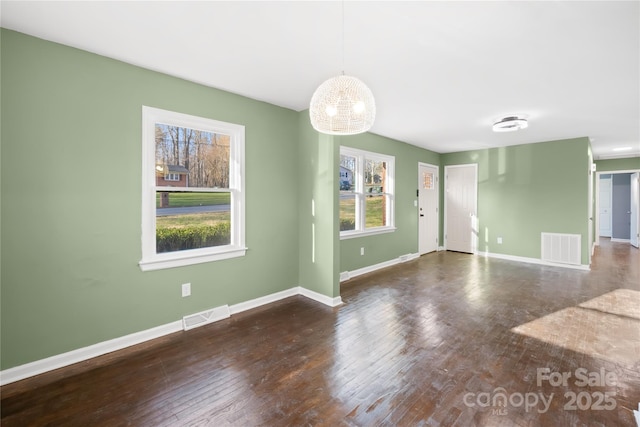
x=366 y=193
x=198 y=216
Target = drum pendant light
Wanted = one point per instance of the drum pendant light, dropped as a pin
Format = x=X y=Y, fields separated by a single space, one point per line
x=342 y=105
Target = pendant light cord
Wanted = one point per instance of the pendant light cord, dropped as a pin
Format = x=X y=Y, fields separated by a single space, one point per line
x=343 y=37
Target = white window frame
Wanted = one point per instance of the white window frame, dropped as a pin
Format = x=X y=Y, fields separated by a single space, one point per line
x=172 y=177
x=358 y=179
x=155 y=261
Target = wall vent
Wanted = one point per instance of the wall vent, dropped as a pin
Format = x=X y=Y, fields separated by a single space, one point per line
x=561 y=248
x=205 y=317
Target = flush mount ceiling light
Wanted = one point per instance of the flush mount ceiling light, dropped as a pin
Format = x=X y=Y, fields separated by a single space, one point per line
x=510 y=124
x=343 y=105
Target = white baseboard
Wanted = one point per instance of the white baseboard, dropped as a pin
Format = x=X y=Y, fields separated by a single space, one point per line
x=331 y=302
x=267 y=299
x=69 y=358
x=441 y=248
x=532 y=260
x=346 y=275
x=621 y=240
x=41 y=366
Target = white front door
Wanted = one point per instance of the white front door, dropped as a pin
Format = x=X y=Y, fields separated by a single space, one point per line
x=461 y=183
x=427 y=208
x=605 y=206
x=635 y=204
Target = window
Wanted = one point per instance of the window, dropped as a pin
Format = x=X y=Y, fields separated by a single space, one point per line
x=192 y=190
x=366 y=193
x=427 y=181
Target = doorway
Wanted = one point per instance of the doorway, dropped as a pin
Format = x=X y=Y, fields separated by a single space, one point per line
x=428 y=198
x=622 y=217
x=460 y=206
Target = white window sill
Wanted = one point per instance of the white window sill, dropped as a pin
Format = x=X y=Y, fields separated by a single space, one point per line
x=344 y=235
x=183 y=258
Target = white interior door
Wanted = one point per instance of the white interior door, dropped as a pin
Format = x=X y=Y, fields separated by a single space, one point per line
x=635 y=202
x=461 y=184
x=427 y=208
x=605 y=203
x=590 y=209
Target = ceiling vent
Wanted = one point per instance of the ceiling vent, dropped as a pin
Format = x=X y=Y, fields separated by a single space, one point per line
x=509 y=124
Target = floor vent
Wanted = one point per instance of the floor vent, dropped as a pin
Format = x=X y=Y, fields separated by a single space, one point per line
x=205 y=317
x=561 y=248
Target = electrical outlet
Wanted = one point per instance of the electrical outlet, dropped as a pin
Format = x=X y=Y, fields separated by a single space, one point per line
x=361 y=251
x=186 y=289
x=499 y=240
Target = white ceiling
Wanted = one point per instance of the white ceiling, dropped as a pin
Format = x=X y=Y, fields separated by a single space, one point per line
x=441 y=72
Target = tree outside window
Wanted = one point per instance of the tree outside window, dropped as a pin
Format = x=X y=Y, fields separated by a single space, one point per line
x=366 y=192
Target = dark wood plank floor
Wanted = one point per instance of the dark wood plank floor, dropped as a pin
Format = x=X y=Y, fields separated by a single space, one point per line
x=429 y=342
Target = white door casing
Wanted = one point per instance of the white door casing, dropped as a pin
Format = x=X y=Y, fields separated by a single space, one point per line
x=428 y=198
x=461 y=186
x=605 y=206
x=635 y=205
x=592 y=169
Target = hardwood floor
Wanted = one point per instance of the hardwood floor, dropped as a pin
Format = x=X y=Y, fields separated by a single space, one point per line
x=429 y=342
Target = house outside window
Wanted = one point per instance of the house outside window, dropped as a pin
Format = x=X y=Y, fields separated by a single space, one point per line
x=193 y=190
x=366 y=186
x=172 y=176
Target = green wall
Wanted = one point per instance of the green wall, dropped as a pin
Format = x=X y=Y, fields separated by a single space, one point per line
x=384 y=247
x=71 y=207
x=524 y=190
x=71 y=210
x=629 y=163
x=318 y=212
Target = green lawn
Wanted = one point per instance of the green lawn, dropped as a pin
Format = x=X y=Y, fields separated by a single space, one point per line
x=179 y=199
x=181 y=221
x=193 y=230
x=374 y=212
